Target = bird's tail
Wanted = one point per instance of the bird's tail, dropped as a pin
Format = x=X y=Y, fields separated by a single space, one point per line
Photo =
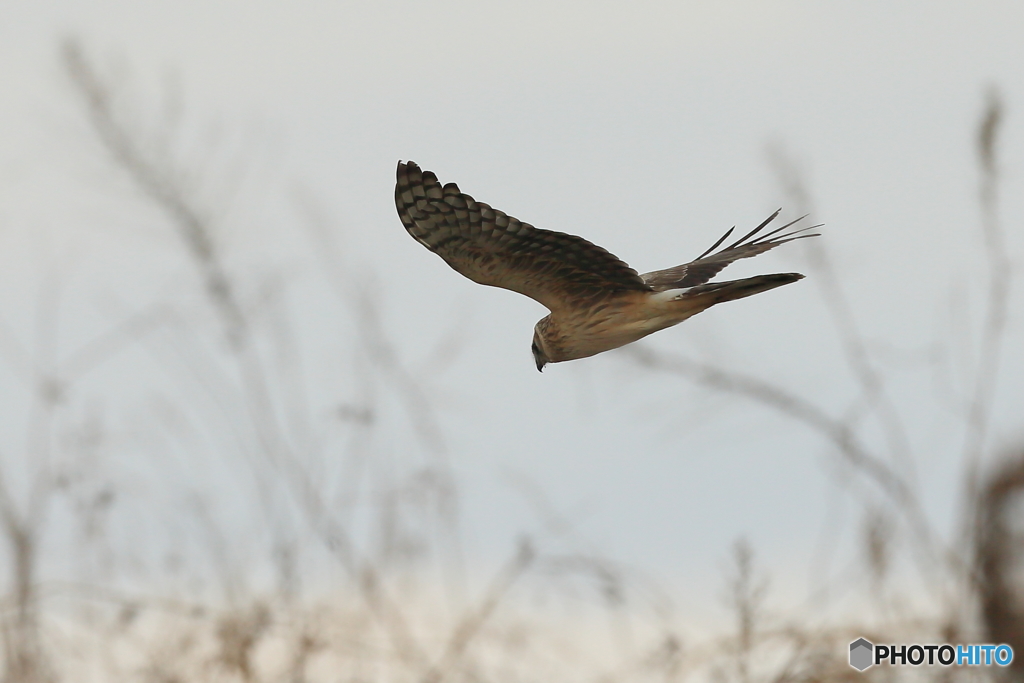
x=716 y=292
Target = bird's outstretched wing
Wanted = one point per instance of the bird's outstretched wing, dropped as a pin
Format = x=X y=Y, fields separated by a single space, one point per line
x=490 y=247
x=706 y=266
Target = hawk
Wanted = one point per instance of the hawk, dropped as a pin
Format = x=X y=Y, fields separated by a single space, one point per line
x=597 y=302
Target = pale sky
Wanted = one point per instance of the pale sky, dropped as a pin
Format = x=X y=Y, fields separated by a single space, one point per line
x=641 y=126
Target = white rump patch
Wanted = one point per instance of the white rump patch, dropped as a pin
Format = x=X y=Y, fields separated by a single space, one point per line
x=669 y=295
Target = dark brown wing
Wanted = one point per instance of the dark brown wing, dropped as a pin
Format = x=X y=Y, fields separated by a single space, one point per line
x=490 y=247
x=705 y=267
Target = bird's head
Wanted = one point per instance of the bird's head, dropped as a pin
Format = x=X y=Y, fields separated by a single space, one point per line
x=539 y=356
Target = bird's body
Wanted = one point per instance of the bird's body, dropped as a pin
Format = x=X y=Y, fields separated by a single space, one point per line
x=630 y=316
x=597 y=302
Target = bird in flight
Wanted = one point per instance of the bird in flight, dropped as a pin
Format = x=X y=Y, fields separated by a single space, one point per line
x=597 y=302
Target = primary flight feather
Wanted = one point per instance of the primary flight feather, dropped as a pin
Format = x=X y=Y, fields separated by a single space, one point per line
x=597 y=302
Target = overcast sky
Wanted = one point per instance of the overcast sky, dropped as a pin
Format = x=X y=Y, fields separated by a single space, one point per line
x=641 y=126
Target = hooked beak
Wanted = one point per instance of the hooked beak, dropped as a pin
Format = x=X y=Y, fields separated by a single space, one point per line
x=538 y=356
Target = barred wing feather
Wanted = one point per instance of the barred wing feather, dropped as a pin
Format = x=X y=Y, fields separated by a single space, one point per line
x=492 y=248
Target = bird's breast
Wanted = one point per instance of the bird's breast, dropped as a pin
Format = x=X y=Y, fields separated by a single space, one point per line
x=607 y=325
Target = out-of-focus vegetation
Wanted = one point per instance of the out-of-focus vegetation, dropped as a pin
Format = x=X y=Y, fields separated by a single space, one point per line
x=363 y=544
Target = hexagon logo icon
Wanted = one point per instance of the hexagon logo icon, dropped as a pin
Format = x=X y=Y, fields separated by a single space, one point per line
x=860 y=654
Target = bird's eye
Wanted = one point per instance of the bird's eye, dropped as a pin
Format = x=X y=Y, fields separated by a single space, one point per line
x=533 y=346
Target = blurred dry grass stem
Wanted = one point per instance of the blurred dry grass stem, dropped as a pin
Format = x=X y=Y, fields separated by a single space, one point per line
x=999 y=553
x=993 y=332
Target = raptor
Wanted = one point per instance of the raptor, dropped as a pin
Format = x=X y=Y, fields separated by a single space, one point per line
x=597 y=302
